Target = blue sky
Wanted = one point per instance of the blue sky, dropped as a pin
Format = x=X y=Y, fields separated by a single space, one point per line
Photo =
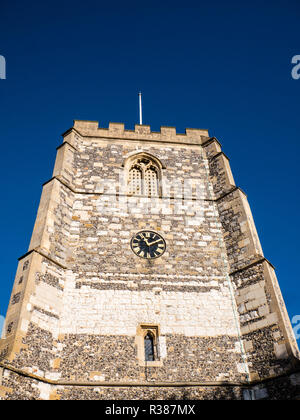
x=225 y=66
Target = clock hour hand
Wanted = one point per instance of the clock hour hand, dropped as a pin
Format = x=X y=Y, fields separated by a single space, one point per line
x=144 y=239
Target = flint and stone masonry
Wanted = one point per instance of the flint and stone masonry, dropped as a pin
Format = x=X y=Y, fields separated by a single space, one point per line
x=83 y=301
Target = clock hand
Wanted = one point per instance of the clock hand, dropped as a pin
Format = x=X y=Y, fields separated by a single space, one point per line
x=152 y=243
x=144 y=239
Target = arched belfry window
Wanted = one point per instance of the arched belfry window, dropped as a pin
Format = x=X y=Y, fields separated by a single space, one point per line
x=144 y=175
x=149 y=347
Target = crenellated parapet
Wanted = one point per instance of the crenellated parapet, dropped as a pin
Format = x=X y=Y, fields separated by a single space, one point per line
x=140 y=133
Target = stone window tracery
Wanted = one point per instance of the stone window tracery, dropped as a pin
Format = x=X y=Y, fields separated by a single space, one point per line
x=144 y=177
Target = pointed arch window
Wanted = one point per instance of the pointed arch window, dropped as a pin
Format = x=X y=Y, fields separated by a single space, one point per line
x=148 y=345
x=144 y=176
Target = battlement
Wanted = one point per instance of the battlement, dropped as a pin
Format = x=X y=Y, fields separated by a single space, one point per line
x=141 y=132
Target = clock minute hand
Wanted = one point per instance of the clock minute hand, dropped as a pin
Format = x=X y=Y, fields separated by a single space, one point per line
x=152 y=243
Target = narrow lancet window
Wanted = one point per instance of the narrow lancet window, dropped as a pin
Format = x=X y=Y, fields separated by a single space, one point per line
x=151 y=182
x=149 y=348
x=135 y=180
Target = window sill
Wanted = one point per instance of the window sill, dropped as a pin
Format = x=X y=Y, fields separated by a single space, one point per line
x=155 y=363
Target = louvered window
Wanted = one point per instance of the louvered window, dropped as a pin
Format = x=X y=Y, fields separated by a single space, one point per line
x=151 y=182
x=143 y=178
x=135 y=181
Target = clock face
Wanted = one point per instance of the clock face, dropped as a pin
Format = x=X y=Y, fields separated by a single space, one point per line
x=148 y=244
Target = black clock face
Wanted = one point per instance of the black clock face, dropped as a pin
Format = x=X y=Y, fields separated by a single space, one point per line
x=148 y=244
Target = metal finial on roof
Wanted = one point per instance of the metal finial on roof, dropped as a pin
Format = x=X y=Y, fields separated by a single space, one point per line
x=140 y=107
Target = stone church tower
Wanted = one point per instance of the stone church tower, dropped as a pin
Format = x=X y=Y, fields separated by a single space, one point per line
x=145 y=278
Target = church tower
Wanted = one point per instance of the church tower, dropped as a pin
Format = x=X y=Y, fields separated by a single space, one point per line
x=145 y=278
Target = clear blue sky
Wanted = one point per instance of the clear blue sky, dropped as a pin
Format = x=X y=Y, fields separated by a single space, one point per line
x=225 y=66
